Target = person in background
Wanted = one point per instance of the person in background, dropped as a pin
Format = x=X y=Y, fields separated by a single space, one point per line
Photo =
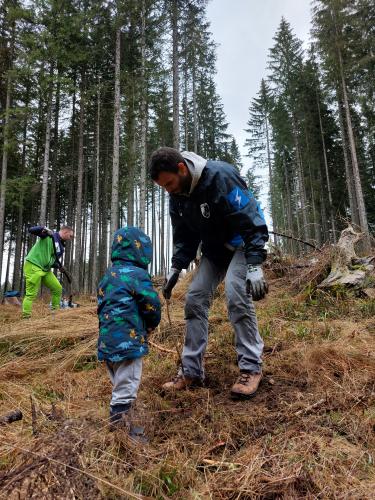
x=210 y=204
x=128 y=310
x=44 y=255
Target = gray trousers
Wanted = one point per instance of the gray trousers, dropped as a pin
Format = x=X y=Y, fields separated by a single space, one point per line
x=125 y=377
x=249 y=345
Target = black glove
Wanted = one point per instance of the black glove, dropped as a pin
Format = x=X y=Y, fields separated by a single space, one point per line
x=256 y=285
x=66 y=273
x=170 y=282
x=48 y=231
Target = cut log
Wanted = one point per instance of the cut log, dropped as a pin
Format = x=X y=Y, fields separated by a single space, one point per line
x=10 y=417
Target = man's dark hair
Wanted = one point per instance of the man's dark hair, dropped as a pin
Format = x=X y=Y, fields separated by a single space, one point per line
x=66 y=227
x=164 y=160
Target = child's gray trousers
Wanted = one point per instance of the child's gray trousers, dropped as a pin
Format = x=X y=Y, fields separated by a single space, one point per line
x=125 y=377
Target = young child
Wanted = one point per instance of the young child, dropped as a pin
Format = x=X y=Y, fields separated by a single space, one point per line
x=128 y=309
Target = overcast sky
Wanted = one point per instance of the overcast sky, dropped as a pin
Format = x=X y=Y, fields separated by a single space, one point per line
x=244 y=30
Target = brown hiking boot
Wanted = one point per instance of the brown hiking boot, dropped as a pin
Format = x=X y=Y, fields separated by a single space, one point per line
x=246 y=385
x=180 y=383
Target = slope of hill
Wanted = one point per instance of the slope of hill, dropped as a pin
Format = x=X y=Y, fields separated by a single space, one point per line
x=309 y=433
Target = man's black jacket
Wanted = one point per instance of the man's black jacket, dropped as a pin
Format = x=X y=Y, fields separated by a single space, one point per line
x=222 y=213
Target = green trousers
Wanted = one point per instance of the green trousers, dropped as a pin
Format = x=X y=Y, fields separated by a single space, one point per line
x=35 y=276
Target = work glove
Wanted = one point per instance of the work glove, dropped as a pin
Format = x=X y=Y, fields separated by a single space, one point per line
x=47 y=231
x=170 y=282
x=256 y=285
x=66 y=273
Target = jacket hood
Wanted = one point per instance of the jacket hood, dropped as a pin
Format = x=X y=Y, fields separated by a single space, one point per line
x=130 y=244
x=195 y=165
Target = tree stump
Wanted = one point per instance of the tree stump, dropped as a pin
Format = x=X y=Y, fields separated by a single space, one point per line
x=344 y=258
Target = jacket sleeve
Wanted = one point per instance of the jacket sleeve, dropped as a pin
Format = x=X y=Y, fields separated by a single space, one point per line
x=185 y=240
x=148 y=303
x=242 y=213
x=38 y=231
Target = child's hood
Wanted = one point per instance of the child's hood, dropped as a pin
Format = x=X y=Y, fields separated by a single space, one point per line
x=130 y=244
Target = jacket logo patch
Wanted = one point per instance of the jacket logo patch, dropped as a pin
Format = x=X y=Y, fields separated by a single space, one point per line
x=205 y=209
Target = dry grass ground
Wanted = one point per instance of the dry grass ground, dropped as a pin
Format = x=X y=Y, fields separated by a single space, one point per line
x=309 y=433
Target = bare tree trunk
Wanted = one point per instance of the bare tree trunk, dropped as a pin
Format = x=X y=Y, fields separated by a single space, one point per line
x=195 y=114
x=175 y=69
x=116 y=139
x=7 y=272
x=143 y=138
x=271 y=197
x=95 y=208
x=4 y=172
x=348 y=168
x=356 y=176
x=289 y=205
x=54 y=176
x=19 y=234
x=47 y=145
x=330 y=199
x=301 y=184
x=78 y=218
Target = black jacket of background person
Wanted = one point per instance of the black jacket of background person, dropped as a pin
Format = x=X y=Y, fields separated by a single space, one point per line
x=221 y=213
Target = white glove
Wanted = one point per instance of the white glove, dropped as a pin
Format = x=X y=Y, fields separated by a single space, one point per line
x=256 y=285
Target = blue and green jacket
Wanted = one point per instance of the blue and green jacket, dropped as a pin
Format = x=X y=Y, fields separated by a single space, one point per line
x=127 y=303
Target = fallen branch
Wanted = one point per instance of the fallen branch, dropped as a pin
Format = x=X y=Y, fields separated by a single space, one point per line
x=308 y=408
x=11 y=417
x=160 y=348
x=295 y=239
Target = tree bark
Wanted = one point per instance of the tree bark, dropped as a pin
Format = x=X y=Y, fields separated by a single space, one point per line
x=175 y=71
x=78 y=218
x=116 y=139
x=47 y=145
x=330 y=199
x=95 y=208
x=5 y=161
x=143 y=118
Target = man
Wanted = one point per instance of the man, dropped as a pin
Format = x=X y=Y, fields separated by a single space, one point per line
x=46 y=253
x=211 y=204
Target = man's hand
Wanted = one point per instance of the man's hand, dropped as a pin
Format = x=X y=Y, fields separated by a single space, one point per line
x=48 y=231
x=170 y=282
x=256 y=285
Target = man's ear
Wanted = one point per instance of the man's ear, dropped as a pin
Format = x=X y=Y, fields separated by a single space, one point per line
x=182 y=168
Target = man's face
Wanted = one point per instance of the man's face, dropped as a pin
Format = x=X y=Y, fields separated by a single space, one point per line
x=175 y=183
x=66 y=234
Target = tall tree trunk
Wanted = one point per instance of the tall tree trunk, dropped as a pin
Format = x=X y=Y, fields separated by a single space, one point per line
x=47 y=145
x=95 y=208
x=78 y=218
x=330 y=199
x=195 y=114
x=348 y=167
x=68 y=258
x=54 y=174
x=19 y=234
x=301 y=183
x=116 y=139
x=143 y=117
x=4 y=172
x=271 y=197
x=356 y=176
x=175 y=70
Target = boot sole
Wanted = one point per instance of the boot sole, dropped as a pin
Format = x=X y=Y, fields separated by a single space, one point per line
x=237 y=395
